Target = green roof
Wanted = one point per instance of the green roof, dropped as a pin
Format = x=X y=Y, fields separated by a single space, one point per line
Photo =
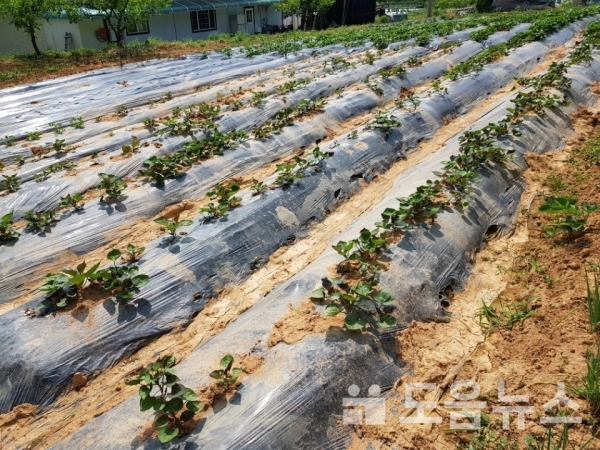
x=200 y=5
x=178 y=6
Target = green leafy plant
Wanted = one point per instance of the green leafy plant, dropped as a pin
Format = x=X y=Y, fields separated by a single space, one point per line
x=258 y=187
x=414 y=61
x=408 y=100
x=228 y=375
x=226 y=200
x=573 y=217
x=258 y=98
x=71 y=201
x=57 y=127
x=130 y=149
x=369 y=58
x=7 y=232
x=122 y=110
x=437 y=87
x=113 y=186
x=20 y=160
x=134 y=252
x=9 y=141
x=307 y=107
x=61 y=288
x=122 y=281
x=384 y=122
x=172 y=225
x=362 y=304
x=504 y=315
x=235 y=105
x=362 y=253
x=39 y=220
x=34 y=136
x=10 y=183
x=162 y=391
x=150 y=123
x=77 y=122
x=163 y=168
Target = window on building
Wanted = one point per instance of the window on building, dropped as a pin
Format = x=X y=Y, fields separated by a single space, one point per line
x=203 y=20
x=140 y=27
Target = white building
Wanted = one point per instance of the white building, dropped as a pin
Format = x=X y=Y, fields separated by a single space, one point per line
x=184 y=19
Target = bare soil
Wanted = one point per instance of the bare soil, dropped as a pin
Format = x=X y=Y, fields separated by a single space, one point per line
x=533 y=356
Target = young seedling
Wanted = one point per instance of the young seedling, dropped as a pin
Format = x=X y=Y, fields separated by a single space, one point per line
x=573 y=218
x=384 y=122
x=62 y=287
x=58 y=145
x=437 y=87
x=362 y=251
x=410 y=101
x=362 y=304
x=39 y=220
x=151 y=123
x=113 y=186
x=235 y=105
x=72 y=201
x=34 y=136
x=134 y=252
x=258 y=187
x=162 y=391
x=122 y=110
x=20 y=160
x=9 y=141
x=130 y=149
x=57 y=127
x=7 y=232
x=77 y=122
x=122 y=281
x=172 y=225
x=10 y=183
x=229 y=374
x=225 y=194
x=258 y=98
x=353 y=134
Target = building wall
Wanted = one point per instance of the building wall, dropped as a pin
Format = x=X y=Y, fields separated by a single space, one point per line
x=55 y=30
x=15 y=41
x=169 y=27
x=87 y=30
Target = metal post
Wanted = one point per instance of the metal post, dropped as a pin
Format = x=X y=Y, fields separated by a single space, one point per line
x=429 y=9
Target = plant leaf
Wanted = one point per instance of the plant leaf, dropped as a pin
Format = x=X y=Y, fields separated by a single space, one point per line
x=354 y=322
x=332 y=309
x=166 y=435
x=114 y=254
x=386 y=321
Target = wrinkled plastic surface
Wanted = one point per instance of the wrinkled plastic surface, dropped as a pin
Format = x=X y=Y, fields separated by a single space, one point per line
x=79 y=233
x=295 y=399
x=213 y=255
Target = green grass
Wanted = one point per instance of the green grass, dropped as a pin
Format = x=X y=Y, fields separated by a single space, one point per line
x=590 y=382
x=593 y=300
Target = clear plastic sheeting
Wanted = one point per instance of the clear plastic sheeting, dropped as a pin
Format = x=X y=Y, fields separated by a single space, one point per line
x=295 y=399
x=80 y=233
x=184 y=275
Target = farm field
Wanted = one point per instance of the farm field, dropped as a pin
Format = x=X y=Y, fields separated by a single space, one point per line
x=278 y=224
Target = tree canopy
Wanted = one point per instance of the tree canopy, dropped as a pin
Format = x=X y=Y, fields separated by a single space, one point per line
x=26 y=15
x=120 y=13
x=310 y=10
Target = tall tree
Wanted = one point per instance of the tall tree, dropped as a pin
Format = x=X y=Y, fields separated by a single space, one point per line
x=120 y=13
x=309 y=10
x=26 y=15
